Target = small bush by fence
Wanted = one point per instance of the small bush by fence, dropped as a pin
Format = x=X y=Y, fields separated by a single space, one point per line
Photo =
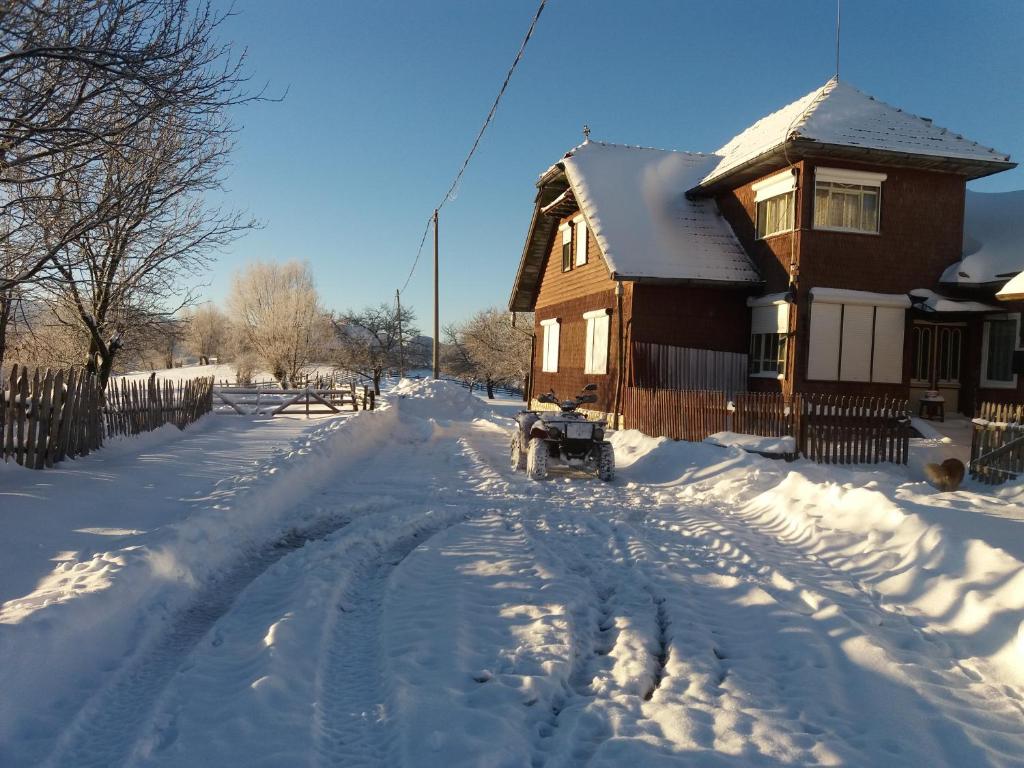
x=50 y=416
x=828 y=429
x=997 y=444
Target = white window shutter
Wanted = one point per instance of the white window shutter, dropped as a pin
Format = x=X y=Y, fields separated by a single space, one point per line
x=600 y=353
x=770 y=319
x=887 y=366
x=581 y=241
x=549 y=363
x=823 y=349
x=588 y=361
x=858 y=324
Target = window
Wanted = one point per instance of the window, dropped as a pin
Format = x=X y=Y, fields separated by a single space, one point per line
x=773 y=199
x=856 y=337
x=847 y=201
x=597 y=341
x=769 y=327
x=579 y=236
x=549 y=363
x=999 y=340
x=566 y=230
x=767 y=354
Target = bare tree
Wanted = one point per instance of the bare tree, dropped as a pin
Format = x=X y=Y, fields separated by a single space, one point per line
x=207 y=331
x=78 y=78
x=498 y=352
x=369 y=342
x=278 y=317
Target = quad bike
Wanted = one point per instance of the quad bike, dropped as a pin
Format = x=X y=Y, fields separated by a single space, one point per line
x=565 y=435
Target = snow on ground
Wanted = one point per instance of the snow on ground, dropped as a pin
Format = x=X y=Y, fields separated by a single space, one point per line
x=387 y=592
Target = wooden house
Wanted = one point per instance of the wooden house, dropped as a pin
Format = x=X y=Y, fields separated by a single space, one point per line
x=824 y=249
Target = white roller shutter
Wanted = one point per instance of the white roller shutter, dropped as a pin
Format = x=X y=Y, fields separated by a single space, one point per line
x=887 y=366
x=823 y=349
x=581 y=241
x=858 y=322
x=770 y=319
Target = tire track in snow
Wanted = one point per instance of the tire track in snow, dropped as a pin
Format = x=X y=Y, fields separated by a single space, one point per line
x=104 y=731
x=351 y=712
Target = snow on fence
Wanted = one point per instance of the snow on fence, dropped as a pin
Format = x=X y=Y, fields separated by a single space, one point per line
x=51 y=416
x=997 y=445
x=828 y=429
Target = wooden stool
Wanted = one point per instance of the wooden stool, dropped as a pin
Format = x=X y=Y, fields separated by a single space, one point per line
x=932 y=407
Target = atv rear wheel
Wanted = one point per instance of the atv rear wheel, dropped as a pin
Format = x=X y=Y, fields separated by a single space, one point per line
x=537 y=459
x=517 y=456
x=606 y=462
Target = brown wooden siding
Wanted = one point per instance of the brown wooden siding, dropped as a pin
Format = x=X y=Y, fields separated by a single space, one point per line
x=558 y=287
x=570 y=378
x=691 y=316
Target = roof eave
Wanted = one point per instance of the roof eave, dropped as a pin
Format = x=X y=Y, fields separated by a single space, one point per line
x=524 y=290
x=807 y=149
x=706 y=282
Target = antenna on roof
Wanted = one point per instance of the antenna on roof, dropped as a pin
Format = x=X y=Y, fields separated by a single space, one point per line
x=839 y=13
x=586 y=132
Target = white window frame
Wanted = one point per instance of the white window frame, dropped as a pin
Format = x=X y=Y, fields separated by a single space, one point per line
x=565 y=229
x=552 y=332
x=768 y=318
x=846 y=176
x=595 y=358
x=580 y=241
x=986 y=327
x=772 y=188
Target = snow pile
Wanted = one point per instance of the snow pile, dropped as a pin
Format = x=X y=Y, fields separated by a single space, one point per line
x=436 y=399
x=753 y=443
x=993 y=238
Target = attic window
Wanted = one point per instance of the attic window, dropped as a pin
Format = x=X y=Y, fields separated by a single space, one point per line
x=566 y=230
x=580 y=238
x=847 y=201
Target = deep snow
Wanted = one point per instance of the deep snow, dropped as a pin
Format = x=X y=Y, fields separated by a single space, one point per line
x=385 y=591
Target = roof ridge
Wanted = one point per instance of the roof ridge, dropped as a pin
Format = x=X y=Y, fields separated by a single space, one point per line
x=639 y=146
x=801 y=119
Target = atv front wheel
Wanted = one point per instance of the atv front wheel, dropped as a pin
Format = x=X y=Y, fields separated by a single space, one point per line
x=517 y=456
x=537 y=459
x=606 y=462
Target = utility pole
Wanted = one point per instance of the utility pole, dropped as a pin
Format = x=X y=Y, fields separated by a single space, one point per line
x=437 y=329
x=401 y=354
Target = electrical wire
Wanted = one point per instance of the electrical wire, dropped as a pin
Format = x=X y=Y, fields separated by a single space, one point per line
x=479 y=136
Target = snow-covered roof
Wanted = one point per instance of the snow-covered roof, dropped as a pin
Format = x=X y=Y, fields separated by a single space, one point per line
x=993 y=239
x=1013 y=290
x=930 y=301
x=634 y=201
x=840 y=115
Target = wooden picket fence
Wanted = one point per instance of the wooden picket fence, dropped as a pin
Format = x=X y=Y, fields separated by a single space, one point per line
x=133 y=406
x=679 y=414
x=997 y=444
x=837 y=429
x=828 y=429
x=50 y=416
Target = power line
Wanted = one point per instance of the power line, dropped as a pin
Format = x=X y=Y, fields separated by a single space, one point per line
x=479 y=136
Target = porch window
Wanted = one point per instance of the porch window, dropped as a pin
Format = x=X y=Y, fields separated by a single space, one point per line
x=566 y=230
x=549 y=363
x=579 y=237
x=767 y=354
x=597 y=342
x=769 y=327
x=999 y=340
x=847 y=201
x=773 y=198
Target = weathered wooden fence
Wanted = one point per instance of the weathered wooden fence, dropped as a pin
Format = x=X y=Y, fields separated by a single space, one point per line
x=679 y=414
x=50 y=416
x=255 y=401
x=828 y=429
x=669 y=367
x=836 y=429
x=997 y=445
x=133 y=406
x=766 y=414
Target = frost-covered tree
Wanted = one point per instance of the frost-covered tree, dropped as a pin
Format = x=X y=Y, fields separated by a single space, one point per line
x=369 y=342
x=207 y=332
x=277 y=317
x=495 y=350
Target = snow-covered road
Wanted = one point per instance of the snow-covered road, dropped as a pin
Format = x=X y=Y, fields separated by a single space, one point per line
x=431 y=608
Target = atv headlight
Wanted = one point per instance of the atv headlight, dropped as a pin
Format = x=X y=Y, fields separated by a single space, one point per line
x=598 y=434
x=554 y=432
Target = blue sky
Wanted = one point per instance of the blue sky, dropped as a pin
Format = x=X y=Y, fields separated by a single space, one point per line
x=384 y=99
